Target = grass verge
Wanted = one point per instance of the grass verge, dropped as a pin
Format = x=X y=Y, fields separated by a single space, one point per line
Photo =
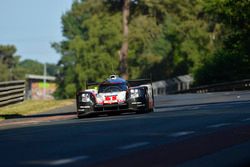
x=29 y=107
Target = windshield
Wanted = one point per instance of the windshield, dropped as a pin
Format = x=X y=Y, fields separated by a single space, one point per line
x=112 y=88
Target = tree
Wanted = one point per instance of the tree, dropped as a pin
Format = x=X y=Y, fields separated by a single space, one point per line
x=232 y=60
x=123 y=53
x=166 y=38
x=52 y=69
x=31 y=67
x=4 y=72
x=89 y=52
x=11 y=68
x=8 y=61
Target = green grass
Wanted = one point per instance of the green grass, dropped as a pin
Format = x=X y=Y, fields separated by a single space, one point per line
x=29 y=107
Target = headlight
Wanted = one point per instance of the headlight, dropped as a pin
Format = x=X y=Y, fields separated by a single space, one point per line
x=134 y=93
x=99 y=98
x=85 y=97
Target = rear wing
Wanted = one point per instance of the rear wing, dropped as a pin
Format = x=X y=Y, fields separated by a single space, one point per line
x=88 y=84
x=138 y=82
x=132 y=83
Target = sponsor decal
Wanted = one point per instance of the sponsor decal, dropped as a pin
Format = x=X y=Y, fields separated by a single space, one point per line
x=110 y=99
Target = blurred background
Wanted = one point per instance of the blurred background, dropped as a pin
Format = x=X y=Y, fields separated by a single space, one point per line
x=59 y=45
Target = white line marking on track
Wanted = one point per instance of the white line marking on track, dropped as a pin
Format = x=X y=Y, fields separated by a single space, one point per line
x=218 y=125
x=195 y=108
x=58 y=161
x=183 y=133
x=246 y=119
x=133 y=145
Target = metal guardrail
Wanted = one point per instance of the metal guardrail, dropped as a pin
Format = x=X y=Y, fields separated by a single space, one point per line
x=226 y=86
x=172 y=85
x=11 y=92
x=176 y=86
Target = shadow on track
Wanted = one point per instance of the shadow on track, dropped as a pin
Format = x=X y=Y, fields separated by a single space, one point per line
x=14 y=116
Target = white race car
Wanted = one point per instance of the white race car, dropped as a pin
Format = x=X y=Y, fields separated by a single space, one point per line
x=116 y=95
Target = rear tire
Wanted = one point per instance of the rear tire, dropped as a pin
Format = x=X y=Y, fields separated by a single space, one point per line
x=79 y=117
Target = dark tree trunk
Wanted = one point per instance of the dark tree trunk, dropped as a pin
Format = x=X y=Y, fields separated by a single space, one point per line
x=123 y=54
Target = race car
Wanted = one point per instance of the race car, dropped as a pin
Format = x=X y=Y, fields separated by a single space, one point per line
x=116 y=95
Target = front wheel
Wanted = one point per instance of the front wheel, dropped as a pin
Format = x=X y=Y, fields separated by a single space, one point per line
x=142 y=111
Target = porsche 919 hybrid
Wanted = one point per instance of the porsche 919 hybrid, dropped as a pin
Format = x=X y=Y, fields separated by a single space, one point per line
x=116 y=95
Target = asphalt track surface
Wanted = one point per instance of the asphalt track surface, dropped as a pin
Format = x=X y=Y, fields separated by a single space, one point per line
x=190 y=130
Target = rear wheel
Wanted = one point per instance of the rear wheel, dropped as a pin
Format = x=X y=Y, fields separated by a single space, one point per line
x=79 y=117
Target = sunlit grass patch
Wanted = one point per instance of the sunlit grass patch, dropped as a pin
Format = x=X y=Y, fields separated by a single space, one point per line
x=29 y=107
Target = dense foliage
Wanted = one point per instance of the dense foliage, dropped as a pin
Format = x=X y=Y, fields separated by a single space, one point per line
x=232 y=60
x=8 y=63
x=166 y=38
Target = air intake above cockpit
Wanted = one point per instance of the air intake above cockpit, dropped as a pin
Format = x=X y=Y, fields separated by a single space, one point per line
x=113 y=76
